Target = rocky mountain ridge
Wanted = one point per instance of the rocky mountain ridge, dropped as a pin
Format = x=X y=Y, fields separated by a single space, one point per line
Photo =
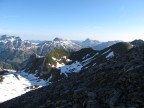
x=110 y=78
x=60 y=63
x=137 y=42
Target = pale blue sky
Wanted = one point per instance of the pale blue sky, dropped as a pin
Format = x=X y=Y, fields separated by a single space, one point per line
x=73 y=19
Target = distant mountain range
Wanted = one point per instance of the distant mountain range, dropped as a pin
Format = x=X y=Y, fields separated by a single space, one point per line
x=95 y=44
x=87 y=43
x=14 y=52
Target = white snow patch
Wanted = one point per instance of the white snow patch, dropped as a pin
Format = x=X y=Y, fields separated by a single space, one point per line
x=3 y=41
x=74 y=67
x=10 y=70
x=68 y=60
x=33 y=79
x=106 y=52
x=110 y=54
x=86 y=61
x=94 y=64
x=53 y=66
x=59 y=65
x=85 y=56
x=27 y=41
x=40 y=56
x=64 y=57
x=16 y=84
x=49 y=78
x=12 y=39
x=35 y=43
x=54 y=58
x=58 y=59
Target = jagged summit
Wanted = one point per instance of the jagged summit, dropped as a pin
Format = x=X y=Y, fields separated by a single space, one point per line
x=87 y=39
x=6 y=37
x=13 y=42
x=57 y=43
x=58 y=39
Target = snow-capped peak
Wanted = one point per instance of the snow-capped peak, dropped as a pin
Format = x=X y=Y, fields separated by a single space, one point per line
x=14 y=42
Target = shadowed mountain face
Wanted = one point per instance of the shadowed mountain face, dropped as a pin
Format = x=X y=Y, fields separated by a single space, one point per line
x=138 y=42
x=112 y=77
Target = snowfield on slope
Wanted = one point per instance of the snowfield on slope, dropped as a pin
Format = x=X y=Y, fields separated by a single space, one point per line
x=64 y=68
x=17 y=83
x=78 y=65
x=111 y=54
x=74 y=67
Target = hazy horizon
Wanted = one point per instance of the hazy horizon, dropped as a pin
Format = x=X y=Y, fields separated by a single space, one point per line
x=103 y=20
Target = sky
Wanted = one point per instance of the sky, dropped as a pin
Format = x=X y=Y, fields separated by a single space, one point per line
x=102 y=20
